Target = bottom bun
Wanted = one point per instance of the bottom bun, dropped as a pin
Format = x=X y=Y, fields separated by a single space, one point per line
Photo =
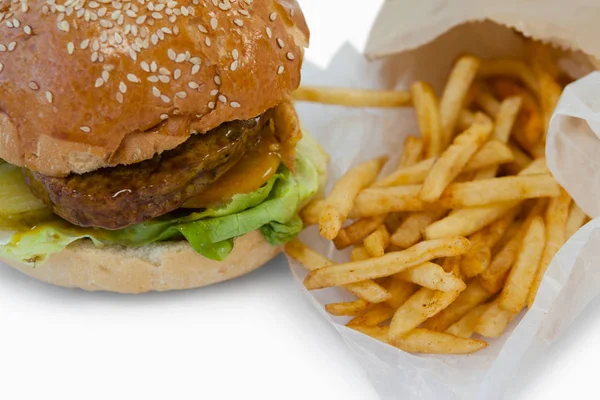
x=157 y=267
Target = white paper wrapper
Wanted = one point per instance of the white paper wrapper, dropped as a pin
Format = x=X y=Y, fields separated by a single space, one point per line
x=354 y=135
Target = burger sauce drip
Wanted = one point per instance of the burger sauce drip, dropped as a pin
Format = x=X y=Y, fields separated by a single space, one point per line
x=254 y=169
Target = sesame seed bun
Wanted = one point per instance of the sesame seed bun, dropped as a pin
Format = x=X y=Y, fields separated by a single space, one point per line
x=86 y=85
x=156 y=267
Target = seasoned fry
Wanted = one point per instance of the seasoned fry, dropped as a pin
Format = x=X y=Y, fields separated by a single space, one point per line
x=348 y=308
x=341 y=199
x=470 y=298
x=352 y=97
x=412 y=152
x=374 y=316
x=389 y=264
x=311 y=260
x=359 y=253
x=576 y=220
x=400 y=290
x=411 y=230
x=452 y=161
x=514 y=295
x=506 y=117
x=417 y=309
x=557 y=215
x=310 y=213
x=428 y=116
x=476 y=262
x=455 y=92
x=465 y=327
x=493 y=321
x=377 y=242
x=393 y=221
x=377 y=201
x=509 y=68
x=432 y=276
x=357 y=231
x=498 y=190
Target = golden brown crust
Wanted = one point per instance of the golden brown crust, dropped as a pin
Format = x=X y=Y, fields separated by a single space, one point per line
x=157 y=267
x=82 y=85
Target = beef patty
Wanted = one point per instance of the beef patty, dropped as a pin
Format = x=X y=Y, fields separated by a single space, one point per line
x=114 y=198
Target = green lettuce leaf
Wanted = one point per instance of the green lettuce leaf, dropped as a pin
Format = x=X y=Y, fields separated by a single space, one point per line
x=273 y=209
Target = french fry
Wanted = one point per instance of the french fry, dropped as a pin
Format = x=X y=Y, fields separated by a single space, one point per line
x=494 y=277
x=357 y=231
x=545 y=71
x=400 y=291
x=520 y=160
x=465 y=327
x=377 y=201
x=470 y=298
x=498 y=190
x=352 y=97
x=432 y=276
x=455 y=92
x=359 y=253
x=424 y=341
x=348 y=308
x=373 y=316
x=491 y=153
x=476 y=262
x=311 y=260
x=487 y=102
x=428 y=116
x=310 y=213
x=557 y=215
x=493 y=321
x=514 y=295
x=506 y=117
x=418 y=308
x=452 y=161
x=389 y=264
x=509 y=68
x=339 y=202
x=576 y=220
x=377 y=242
x=465 y=120
x=411 y=230
x=393 y=221
x=412 y=152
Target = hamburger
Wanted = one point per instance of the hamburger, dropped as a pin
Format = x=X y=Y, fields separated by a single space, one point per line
x=150 y=145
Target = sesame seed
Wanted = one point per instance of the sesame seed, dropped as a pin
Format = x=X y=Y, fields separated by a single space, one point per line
x=217 y=79
x=70 y=47
x=160 y=34
x=131 y=14
x=207 y=41
x=238 y=22
x=235 y=104
x=154 y=39
x=214 y=92
x=155 y=91
x=180 y=58
x=153 y=66
x=165 y=99
x=273 y=16
x=234 y=65
x=167 y=30
x=94 y=56
x=105 y=75
x=153 y=78
x=269 y=32
x=244 y=12
x=108 y=67
x=222 y=99
x=172 y=55
x=184 y=11
x=96 y=45
x=181 y=95
x=133 y=78
x=290 y=56
x=99 y=82
x=211 y=105
x=195 y=60
x=33 y=86
x=1 y=67
x=202 y=29
x=195 y=69
x=177 y=74
x=280 y=43
x=156 y=15
x=9 y=24
x=122 y=87
x=11 y=46
x=145 y=66
x=280 y=70
x=214 y=23
x=133 y=54
x=16 y=23
x=2 y=48
x=141 y=19
x=118 y=38
x=164 y=116
x=27 y=29
x=49 y=97
x=120 y=97
x=193 y=85
x=103 y=36
x=224 y=6
x=235 y=54
x=24 y=7
x=164 y=78
x=84 y=44
x=172 y=19
x=164 y=71
x=85 y=129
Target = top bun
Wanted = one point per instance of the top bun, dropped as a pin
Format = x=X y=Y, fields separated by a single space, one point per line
x=92 y=84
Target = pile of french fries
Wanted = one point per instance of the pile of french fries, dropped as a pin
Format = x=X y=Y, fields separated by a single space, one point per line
x=453 y=244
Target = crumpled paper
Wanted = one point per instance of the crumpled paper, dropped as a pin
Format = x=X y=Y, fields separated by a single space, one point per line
x=355 y=135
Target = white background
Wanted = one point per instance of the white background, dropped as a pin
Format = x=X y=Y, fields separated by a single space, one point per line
x=256 y=337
